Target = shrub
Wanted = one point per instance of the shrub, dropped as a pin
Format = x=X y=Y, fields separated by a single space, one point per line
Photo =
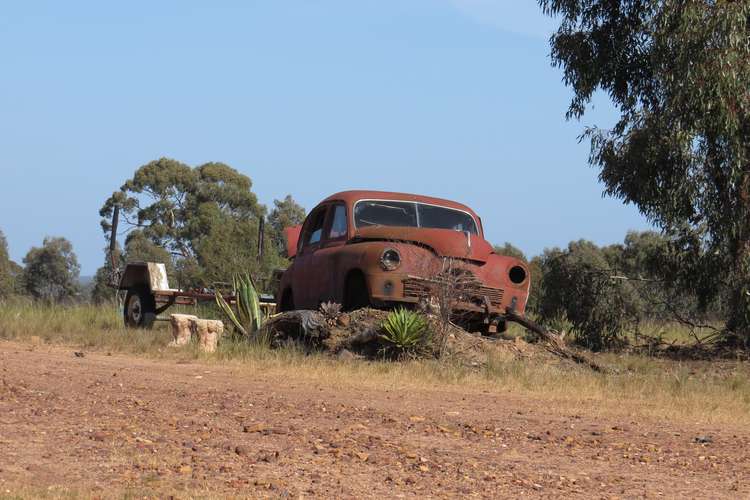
x=577 y=284
x=247 y=318
x=405 y=330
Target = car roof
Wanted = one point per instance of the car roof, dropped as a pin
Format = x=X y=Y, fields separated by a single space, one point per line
x=353 y=196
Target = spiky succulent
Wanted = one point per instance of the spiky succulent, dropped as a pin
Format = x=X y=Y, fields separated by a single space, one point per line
x=405 y=330
x=248 y=318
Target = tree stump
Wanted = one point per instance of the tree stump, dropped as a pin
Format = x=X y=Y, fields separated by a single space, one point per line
x=208 y=332
x=180 y=329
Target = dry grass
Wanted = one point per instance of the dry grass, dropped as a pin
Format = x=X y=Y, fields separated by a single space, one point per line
x=705 y=392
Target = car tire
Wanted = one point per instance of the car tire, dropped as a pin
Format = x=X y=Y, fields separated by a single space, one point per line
x=140 y=308
x=356 y=295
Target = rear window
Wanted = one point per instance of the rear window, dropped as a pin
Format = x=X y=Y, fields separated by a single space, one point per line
x=411 y=214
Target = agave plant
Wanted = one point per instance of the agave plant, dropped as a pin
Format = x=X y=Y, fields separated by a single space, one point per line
x=247 y=318
x=405 y=330
x=331 y=311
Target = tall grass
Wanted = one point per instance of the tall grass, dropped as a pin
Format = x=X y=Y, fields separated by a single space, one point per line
x=699 y=391
x=84 y=326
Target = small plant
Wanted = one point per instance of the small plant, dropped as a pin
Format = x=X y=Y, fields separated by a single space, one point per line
x=331 y=311
x=247 y=319
x=405 y=330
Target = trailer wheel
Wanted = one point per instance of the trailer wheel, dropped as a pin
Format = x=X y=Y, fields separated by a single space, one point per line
x=140 y=308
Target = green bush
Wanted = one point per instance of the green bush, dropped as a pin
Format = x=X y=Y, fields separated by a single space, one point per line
x=405 y=330
x=578 y=284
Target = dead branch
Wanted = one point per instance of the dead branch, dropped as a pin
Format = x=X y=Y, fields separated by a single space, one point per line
x=554 y=343
x=365 y=337
x=310 y=325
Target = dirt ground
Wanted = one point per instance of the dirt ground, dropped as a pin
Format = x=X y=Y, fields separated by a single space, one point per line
x=106 y=426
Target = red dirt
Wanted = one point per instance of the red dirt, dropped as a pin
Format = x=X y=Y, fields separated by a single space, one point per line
x=108 y=425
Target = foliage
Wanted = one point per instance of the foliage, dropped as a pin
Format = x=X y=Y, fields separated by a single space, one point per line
x=7 y=280
x=286 y=213
x=577 y=285
x=331 y=311
x=679 y=72
x=405 y=330
x=509 y=250
x=535 y=272
x=102 y=292
x=196 y=218
x=138 y=248
x=51 y=272
x=247 y=318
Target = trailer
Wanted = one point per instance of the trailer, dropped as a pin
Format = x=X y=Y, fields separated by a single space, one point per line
x=144 y=292
x=145 y=286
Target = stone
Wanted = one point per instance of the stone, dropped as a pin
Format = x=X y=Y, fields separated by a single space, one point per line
x=208 y=332
x=181 y=332
x=346 y=355
x=241 y=450
x=344 y=320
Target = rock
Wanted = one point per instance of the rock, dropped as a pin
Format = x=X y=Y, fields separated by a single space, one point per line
x=254 y=428
x=181 y=332
x=346 y=355
x=208 y=332
x=704 y=439
x=242 y=450
x=99 y=436
x=344 y=320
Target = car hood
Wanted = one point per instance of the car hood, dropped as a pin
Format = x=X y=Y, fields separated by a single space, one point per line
x=444 y=242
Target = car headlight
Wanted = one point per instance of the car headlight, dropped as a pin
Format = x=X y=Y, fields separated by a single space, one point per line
x=390 y=260
x=517 y=274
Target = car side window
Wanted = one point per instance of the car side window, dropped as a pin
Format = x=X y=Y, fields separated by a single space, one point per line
x=338 y=223
x=314 y=231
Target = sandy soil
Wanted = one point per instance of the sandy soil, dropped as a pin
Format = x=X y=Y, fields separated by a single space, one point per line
x=106 y=426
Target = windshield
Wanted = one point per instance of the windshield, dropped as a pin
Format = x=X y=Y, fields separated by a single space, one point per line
x=411 y=214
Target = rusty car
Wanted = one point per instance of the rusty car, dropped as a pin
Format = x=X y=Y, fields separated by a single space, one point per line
x=383 y=249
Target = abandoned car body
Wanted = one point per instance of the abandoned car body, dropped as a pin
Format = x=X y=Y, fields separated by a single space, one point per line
x=370 y=248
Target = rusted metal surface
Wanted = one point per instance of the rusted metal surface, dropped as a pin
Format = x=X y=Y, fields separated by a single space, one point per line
x=325 y=263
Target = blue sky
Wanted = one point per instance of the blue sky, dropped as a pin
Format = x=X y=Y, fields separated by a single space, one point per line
x=451 y=98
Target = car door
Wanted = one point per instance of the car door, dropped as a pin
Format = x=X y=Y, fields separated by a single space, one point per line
x=305 y=273
x=327 y=258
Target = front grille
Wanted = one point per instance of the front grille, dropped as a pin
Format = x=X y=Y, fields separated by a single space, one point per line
x=462 y=288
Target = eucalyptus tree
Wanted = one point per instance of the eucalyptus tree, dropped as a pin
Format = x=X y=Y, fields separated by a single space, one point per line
x=286 y=213
x=204 y=220
x=51 y=271
x=7 y=281
x=678 y=72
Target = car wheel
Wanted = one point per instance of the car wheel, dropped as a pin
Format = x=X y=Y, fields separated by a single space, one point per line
x=357 y=296
x=140 y=308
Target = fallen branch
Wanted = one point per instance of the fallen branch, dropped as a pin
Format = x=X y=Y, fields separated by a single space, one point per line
x=361 y=338
x=555 y=344
x=310 y=325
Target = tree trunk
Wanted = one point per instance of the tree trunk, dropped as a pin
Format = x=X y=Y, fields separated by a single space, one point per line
x=738 y=322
